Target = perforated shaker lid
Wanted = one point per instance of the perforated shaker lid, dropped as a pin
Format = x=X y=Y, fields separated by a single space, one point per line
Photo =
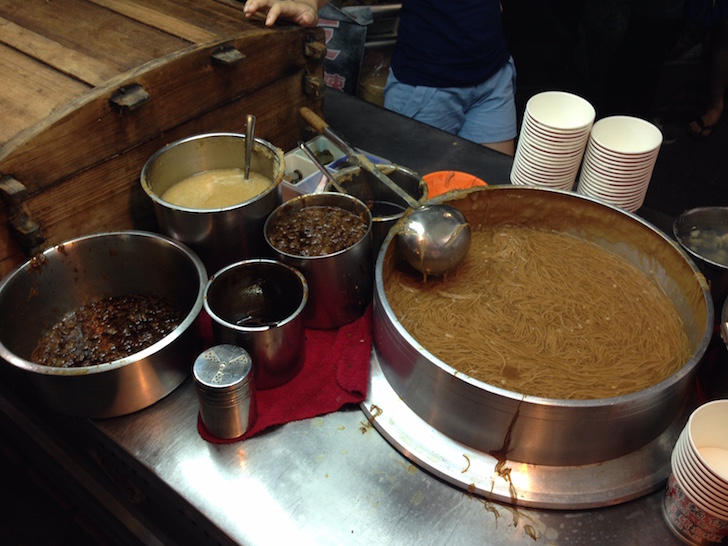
x=222 y=367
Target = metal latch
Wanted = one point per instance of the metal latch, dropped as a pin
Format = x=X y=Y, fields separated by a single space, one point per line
x=26 y=231
x=129 y=98
x=314 y=50
x=313 y=86
x=227 y=55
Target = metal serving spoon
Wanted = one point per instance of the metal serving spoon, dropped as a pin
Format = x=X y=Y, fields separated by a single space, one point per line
x=249 y=137
x=328 y=177
x=433 y=238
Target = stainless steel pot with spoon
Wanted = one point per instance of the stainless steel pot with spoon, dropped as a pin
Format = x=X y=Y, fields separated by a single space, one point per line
x=223 y=235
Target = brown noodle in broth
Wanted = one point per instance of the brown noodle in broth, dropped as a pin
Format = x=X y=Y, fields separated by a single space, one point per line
x=544 y=314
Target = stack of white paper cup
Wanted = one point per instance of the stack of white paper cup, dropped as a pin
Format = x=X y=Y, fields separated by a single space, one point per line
x=552 y=141
x=619 y=159
x=696 y=503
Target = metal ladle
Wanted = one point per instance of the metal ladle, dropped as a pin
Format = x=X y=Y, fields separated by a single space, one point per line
x=434 y=239
x=249 y=137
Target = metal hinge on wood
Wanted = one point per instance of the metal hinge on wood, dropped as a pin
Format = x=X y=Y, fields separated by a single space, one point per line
x=129 y=98
x=314 y=50
x=313 y=86
x=227 y=55
x=24 y=229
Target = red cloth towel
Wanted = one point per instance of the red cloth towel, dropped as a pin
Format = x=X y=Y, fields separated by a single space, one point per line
x=335 y=372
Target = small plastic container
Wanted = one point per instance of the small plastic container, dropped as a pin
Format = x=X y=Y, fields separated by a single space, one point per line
x=302 y=176
x=441 y=182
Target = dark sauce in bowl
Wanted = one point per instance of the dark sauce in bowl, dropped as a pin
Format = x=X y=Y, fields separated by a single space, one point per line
x=317 y=231
x=107 y=330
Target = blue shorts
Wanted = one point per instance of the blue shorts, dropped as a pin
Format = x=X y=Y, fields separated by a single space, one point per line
x=482 y=113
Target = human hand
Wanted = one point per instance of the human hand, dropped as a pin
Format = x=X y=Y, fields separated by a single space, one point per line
x=301 y=12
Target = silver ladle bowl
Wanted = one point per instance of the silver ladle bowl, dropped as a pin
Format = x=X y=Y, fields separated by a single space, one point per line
x=435 y=239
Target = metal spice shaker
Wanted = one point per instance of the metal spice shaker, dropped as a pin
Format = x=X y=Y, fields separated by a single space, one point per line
x=223 y=375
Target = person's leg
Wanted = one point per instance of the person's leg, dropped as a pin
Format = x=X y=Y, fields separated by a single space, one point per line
x=491 y=117
x=703 y=126
x=441 y=108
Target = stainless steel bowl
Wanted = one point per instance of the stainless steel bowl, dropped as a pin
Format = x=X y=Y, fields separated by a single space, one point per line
x=705 y=219
x=219 y=236
x=258 y=304
x=39 y=293
x=540 y=430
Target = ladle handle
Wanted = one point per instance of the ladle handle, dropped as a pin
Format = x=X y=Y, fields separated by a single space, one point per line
x=315 y=121
x=358 y=158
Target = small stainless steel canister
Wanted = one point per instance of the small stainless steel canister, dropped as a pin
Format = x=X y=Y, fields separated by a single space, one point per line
x=223 y=376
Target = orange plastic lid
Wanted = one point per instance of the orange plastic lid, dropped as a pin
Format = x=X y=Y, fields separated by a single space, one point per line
x=444 y=181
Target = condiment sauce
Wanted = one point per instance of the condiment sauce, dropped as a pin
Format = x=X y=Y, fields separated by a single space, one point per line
x=317 y=231
x=107 y=330
x=216 y=188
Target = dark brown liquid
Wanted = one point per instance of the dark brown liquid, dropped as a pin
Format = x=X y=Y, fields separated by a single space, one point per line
x=317 y=231
x=385 y=208
x=107 y=330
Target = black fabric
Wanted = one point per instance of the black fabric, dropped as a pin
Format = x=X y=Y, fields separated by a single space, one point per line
x=449 y=44
x=706 y=13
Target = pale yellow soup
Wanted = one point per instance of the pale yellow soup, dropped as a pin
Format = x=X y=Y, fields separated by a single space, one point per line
x=217 y=188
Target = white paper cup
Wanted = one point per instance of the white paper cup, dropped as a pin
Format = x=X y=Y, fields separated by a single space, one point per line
x=708 y=428
x=615 y=168
x=541 y=131
x=629 y=161
x=696 y=488
x=626 y=135
x=575 y=140
x=554 y=149
x=561 y=111
x=696 y=500
x=547 y=165
x=688 y=520
x=524 y=177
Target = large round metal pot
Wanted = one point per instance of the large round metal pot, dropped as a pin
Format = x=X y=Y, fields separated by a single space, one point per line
x=39 y=293
x=540 y=430
x=219 y=236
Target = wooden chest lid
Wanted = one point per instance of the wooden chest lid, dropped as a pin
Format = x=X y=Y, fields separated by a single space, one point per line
x=91 y=88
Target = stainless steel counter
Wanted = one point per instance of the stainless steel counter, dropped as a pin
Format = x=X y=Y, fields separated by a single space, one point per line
x=329 y=480
x=335 y=480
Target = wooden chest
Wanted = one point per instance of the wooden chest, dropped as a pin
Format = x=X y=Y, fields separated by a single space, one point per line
x=90 y=89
